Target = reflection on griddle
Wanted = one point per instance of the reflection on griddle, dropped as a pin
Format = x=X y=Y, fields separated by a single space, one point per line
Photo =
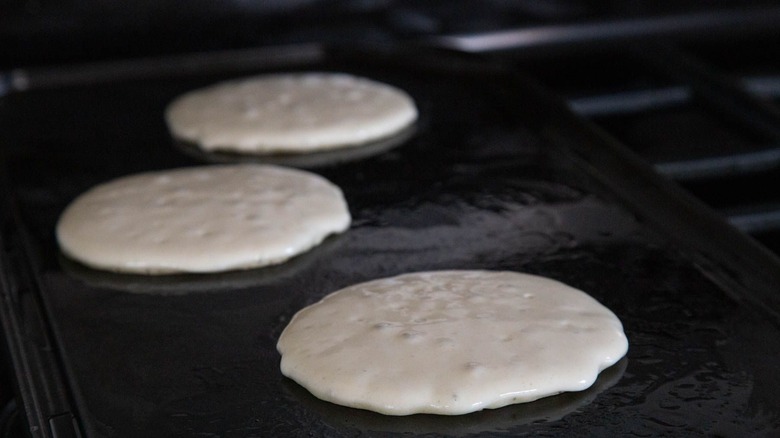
x=301 y=160
x=489 y=420
x=183 y=284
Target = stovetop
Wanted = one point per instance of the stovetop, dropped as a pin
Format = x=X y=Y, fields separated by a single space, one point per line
x=692 y=87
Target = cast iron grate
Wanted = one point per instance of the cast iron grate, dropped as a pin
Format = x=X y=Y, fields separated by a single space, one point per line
x=696 y=94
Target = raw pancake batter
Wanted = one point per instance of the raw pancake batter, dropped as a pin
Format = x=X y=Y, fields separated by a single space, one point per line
x=450 y=342
x=201 y=219
x=290 y=113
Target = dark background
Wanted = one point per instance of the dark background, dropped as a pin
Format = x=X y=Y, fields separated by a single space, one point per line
x=38 y=33
x=35 y=32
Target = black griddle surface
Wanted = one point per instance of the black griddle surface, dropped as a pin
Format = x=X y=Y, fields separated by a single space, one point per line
x=480 y=184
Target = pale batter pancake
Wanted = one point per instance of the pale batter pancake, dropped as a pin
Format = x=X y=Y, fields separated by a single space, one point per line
x=201 y=219
x=290 y=113
x=450 y=342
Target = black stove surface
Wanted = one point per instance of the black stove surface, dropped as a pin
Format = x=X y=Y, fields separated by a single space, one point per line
x=484 y=183
x=691 y=87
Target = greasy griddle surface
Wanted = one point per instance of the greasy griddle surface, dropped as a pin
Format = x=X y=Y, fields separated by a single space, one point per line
x=475 y=187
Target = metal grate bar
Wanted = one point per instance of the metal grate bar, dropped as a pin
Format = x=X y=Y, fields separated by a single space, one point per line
x=133 y=69
x=648 y=99
x=628 y=102
x=729 y=165
x=711 y=24
x=755 y=218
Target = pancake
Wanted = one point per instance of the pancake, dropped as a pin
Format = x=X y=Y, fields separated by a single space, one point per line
x=290 y=113
x=201 y=219
x=450 y=342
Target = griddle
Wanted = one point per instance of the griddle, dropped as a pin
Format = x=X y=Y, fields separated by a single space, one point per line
x=496 y=174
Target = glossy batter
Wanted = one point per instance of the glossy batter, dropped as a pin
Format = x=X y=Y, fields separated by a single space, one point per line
x=450 y=342
x=201 y=219
x=291 y=113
